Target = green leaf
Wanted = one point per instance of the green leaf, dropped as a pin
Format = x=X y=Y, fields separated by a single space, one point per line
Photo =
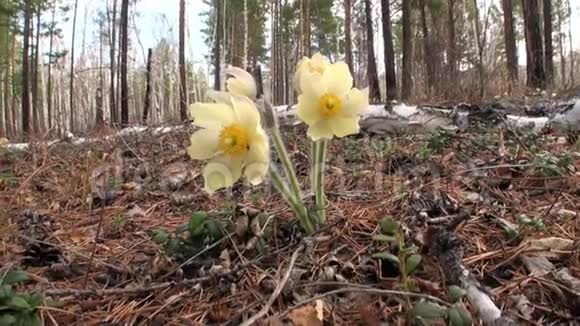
x=28 y=320
x=412 y=263
x=389 y=226
x=454 y=318
x=5 y=291
x=160 y=236
x=386 y=256
x=214 y=229
x=385 y=238
x=196 y=221
x=456 y=293
x=14 y=277
x=428 y=310
x=35 y=300
x=7 y=320
x=18 y=302
x=465 y=315
x=182 y=228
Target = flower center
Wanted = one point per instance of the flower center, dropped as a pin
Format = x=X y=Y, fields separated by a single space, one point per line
x=329 y=105
x=233 y=140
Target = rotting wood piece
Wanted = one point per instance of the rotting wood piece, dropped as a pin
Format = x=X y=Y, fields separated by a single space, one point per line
x=448 y=248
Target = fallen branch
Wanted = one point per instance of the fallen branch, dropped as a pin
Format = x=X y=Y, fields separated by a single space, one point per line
x=447 y=247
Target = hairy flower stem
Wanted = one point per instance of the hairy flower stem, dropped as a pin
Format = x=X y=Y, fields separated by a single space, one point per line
x=286 y=163
x=296 y=204
x=319 y=156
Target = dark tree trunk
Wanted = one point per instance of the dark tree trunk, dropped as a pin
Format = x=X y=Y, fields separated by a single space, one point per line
x=548 y=45
x=407 y=81
x=182 y=73
x=390 y=75
x=124 y=63
x=427 y=59
x=217 y=45
x=372 y=74
x=536 y=76
x=26 y=71
x=510 y=40
x=348 y=35
x=147 y=86
x=257 y=73
x=112 y=90
x=72 y=70
x=451 y=47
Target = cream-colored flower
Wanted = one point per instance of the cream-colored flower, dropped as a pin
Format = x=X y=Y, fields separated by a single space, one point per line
x=242 y=83
x=328 y=103
x=232 y=139
x=4 y=142
x=316 y=65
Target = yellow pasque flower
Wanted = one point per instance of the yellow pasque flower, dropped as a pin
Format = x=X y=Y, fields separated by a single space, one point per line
x=328 y=103
x=309 y=66
x=232 y=139
x=4 y=142
x=242 y=83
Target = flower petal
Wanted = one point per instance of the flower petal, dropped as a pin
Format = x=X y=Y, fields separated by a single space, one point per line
x=337 y=79
x=308 y=109
x=211 y=115
x=222 y=172
x=219 y=96
x=246 y=112
x=345 y=126
x=243 y=83
x=321 y=130
x=204 y=144
x=355 y=102
x=256 y=172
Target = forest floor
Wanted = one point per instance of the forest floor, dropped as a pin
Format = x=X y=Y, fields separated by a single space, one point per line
x=506 y=198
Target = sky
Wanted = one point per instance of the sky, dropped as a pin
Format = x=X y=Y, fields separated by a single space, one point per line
x=156 y=19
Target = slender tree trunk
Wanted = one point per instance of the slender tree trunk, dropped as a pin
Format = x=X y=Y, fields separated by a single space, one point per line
x=245 y=53
x=147 y=102
x=7 y=81
x=348 y=35
x=112 y=90
x=407 y=81
x=372 y=74
x=570 y=42
x=124 y=63
x=3 y=107
x=427 y=59
x=561 y=50
x=35 y=67
x=390 y=75
x=548 y=44
x=510 y=40
x=182 y=74
x=451 y=47
x=26 y=71
x=480 y=39
x=72 y=70
x=536 y=77
x=50 y=59
x=99 y=97
x=217 y=45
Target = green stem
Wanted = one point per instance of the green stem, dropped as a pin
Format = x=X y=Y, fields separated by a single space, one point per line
x=319 y=151
x=286 y=163
x=295 y=203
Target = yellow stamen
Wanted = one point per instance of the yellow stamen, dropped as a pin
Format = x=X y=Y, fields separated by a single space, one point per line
x=233 y=140
x=329 y=105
